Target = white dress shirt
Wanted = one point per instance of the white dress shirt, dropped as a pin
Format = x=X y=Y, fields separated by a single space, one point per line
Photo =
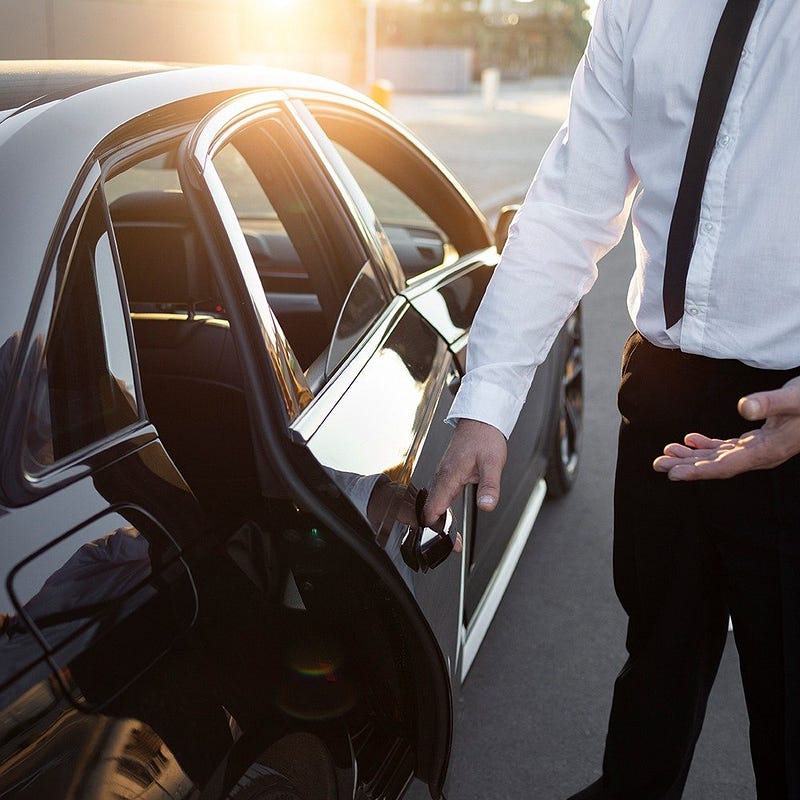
x=621 y=153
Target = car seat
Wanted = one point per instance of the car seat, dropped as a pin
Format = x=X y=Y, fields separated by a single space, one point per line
x=190 y=372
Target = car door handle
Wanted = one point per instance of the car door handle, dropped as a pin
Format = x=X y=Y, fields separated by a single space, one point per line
x=424 y=546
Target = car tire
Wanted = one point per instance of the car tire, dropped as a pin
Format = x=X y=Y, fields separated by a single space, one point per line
x=565 y=445
x=297 y=767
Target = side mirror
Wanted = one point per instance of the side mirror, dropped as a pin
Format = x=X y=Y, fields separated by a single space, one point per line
x=507 y=214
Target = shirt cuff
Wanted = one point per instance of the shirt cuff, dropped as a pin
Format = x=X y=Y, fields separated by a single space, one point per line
x=358 y=488
x=486 y=402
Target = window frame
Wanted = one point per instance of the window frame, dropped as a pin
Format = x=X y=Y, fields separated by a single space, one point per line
x=199 y=175
x=450 y=205
x=19 y=485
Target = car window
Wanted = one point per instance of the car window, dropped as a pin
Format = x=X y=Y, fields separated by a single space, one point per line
x=428 y=222
x=419 y=243
x=321 y=288
x=363 y=304
x=85 y=385
x=389 y=202
x=156 y=173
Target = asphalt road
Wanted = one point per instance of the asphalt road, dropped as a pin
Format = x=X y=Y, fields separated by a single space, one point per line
x=531 y=719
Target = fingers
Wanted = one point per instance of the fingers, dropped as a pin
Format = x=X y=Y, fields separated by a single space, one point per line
x=679 y=450
x=716 y=466
x=446 y=485
x=722 y=458
x=700 y=441
x=699 y=458
x=761 y=405
x=490 y=469
x=692 y=467
x=476 y=454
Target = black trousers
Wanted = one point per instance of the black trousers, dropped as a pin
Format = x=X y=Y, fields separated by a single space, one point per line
x=685 y=556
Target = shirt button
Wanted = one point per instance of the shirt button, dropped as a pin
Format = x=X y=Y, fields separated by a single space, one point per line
x=708 y=227
x=724 y=140
x=745 y=52
x=693 y=311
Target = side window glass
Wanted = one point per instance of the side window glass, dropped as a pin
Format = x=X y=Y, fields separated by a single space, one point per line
x=316 y=281
x=364 y=303
x=154 y=174
x=275 y=216
x=85 y=387
x=389 y=202
x=419 y=243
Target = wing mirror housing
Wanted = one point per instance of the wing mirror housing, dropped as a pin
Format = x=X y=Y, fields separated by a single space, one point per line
x=507 y=214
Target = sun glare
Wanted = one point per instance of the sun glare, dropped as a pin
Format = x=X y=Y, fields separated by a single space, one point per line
x=278 y=5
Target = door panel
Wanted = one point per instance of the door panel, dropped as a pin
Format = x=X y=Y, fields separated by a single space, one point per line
x=449 y=299
x=443 y=246
x=390 y=422
x=70 y=595
x=339 y=582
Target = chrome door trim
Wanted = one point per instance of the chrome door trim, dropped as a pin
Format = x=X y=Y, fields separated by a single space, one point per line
x=221 y=121
x=197 y=152
x=439 y=276
x=314 y=414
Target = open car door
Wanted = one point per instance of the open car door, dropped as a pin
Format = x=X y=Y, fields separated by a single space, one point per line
x=346 y=387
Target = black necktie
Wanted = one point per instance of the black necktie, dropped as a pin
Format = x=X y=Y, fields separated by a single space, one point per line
x=723 y=61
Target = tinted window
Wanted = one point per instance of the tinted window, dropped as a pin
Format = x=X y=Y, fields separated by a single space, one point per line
x=85 y=387
x=390 y=203
x=154 y=174
x=319 y=285
x=426 y=218
x=364 y=303
x=419 y=243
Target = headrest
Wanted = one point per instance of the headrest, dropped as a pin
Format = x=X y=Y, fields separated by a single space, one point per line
x=156 y=206
x=163 y=260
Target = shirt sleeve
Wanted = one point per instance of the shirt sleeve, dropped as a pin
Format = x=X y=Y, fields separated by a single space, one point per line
x=574 y=212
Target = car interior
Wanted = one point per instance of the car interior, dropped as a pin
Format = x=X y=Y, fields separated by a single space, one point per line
x=193 y=392
x=188 y=365
x=190 y=373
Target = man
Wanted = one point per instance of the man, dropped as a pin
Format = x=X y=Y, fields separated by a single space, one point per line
x=687 y=551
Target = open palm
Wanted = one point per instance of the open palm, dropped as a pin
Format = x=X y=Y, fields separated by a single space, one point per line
x=701 y=457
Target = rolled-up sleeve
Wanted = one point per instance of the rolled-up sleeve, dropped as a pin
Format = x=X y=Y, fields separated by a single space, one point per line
x=574 y=212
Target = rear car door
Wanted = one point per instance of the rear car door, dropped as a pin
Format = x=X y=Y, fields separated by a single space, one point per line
x=95 y=522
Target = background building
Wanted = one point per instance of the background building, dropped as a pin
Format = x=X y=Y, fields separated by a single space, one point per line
x=418 y=44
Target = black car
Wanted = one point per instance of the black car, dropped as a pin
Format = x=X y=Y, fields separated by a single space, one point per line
x=233 y=315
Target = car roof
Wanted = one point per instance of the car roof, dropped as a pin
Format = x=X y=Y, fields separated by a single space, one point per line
x=67 y=110
x=23 y=82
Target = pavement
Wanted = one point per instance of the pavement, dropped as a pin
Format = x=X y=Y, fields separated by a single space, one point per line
x=531 y=718
x=492 y=149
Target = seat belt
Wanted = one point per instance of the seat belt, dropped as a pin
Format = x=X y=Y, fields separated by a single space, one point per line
x=723 y=62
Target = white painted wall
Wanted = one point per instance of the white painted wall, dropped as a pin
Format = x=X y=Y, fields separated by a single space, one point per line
x=432 y=69
x=153 y=30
